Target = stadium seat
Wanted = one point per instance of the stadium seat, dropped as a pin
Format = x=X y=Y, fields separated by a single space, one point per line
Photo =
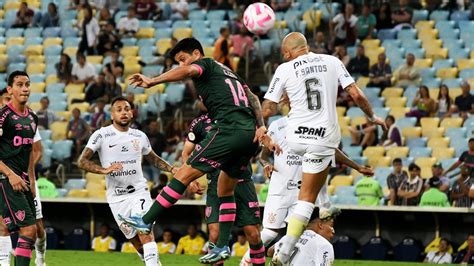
x=78 y=239
x=442 y=142
x=181 y=33
x=432 y=132
x=467 y=73
x=375 y=249
x=59 y=130
x=62 y=149
x=424 y=24
x=441 y=153
x=392 y=92
x=451 y=122
x=460 y=53
x=379 y=161
x=411 y=132
x=352 y=151
x=425 y=161
x=163 y=33
x=439 y=15
x=398 y=152
x=163 y=45
x=129 y=51
x=52 y=32
x=446 y=73
x=36 y=68
x=74 y=88
x=429 y=122
x=345 y=247
x=144 y=33
x=37 y=87
x=423 y=62
x=408 y=250
x=52 y=237
x=417 y=152
x=452 y=84
x=416 y=142
x=441 y=53
x=460 y=16
x=405 y=122
x=456 y=133
x=341 y=180
x=374 y=151
x=396 y=102
x=399 y=112
x=405 y=34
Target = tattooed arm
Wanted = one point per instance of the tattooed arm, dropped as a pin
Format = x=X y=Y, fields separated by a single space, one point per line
x=263 y=158
x=158 y=162
x=256 y=107
x=269 y=108
x=361 y=100
x=85 y=163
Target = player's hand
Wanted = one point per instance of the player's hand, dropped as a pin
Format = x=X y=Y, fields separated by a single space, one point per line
x=268 y=170
x=140 y=80
x=195 y=187
x=367 y=171
x=379 y=121
x=259 y=133
x=18 y=184
x=113 y=168
x=272 y=146
x=174 y=170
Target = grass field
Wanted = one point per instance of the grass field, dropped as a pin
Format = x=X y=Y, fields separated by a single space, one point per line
x=89 y=258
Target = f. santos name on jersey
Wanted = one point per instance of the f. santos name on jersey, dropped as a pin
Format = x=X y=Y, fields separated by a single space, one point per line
x=308 y=66
x=310 y=133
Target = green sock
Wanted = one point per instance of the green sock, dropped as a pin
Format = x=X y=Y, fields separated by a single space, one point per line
x=167 y=198
x=227 y=215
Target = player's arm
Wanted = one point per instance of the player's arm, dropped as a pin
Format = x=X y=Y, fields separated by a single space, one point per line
x=85 y=163
x=454 y=166
x=342 y=158
x=175 y=74
x=31 y=172
x=158 y=162
x=187 y=150
x=269 y=108
x=256 y=106
x=361 y=100
x=17 y=183
x=264 y=159
x=471 y=192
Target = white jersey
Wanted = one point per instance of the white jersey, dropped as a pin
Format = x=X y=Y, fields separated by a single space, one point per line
x=312 y=250
x=311 y=82
x=287 y=177
x=126 y=148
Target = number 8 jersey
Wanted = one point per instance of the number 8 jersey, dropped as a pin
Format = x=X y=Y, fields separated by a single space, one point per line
x=311 y=82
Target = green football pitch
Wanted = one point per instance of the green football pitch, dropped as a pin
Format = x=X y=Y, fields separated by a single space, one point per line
x=89 y=258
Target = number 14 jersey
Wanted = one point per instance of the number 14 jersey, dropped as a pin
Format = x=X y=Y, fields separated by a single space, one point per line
x=311 y=82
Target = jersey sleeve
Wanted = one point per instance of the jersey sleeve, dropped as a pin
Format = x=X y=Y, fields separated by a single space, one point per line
x=37 y=136
x=95 y=141
x=194 y=131
x=463 y=156
x=203 y=66
x=345 y=79
x=146 y=149
x=277 y=85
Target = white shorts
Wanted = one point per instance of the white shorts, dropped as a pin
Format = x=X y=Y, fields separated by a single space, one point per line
x=277 y=208
x=38 y=206
x=315 y=158
x=137 y=204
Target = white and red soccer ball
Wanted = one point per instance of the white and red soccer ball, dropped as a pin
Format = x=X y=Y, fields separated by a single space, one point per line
x=259 y=18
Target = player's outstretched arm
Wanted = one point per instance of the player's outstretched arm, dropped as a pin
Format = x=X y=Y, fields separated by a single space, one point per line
x=342 y=158
x=175 y=74
x=85 y=163
x=263 y=158
x=159 y=163
x=269 y=108
x=359 y=98
x=256 y=107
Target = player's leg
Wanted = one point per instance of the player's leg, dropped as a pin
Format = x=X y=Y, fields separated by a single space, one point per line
x=150 y=249
x=5 y=244
x=227 y=208
x=25 y=245
x=137 y=244
x=40 y=243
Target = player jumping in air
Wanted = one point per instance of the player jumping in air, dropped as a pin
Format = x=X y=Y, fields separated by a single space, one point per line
x=18 y=125
x=229 y=145
x=120 y=151
x=311 y=82
x=248 y=210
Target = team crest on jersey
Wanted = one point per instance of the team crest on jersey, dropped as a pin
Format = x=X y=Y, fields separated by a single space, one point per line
x=20 y=215
x=7 y=220
x=136 y=145
x=272 y=217
x=208 y=211
x=191 y=136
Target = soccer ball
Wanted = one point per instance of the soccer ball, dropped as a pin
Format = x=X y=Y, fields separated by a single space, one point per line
x=259 y=18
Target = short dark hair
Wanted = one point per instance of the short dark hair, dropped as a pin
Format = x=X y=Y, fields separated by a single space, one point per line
x=3 y=91
x=45 y=98
x=413 y=166
x=119 y=99
x=391 y=117
x=315 y=215
x=223 y=29
x=80 y=55
x=187 y=45
x=444 y=239
x=471 y=139
x=397 y=160
x=15 y=74
x=167 y=230
x=240 y=233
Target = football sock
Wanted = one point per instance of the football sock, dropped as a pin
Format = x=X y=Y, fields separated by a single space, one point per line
x=40 y=247
x=267 y=236
x=150 y=252
x=257 y=254
x=296 y=225
x=23 y=251
x=167 y=198
x=5 y=248
x=323 y=198
x=227 y=216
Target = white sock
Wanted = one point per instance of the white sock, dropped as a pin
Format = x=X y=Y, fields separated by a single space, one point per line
x=150 y=253
x=5 y=249
x=267 y=237
x=40 y=247
x=301 y=214
x=323 y=198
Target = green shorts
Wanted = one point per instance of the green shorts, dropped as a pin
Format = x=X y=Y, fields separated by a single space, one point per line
x=248 y=210
x=224 y=149
x=17 y=208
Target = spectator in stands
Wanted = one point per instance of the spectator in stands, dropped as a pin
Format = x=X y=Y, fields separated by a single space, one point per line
x=77 y=131
x=366 y=23
x=343 y=27
x=341 y=53
x=460 y=189
x=464 y=103
x=359 y=65
x=127 y=247
x=384 y=17
x=471 y=195
x=104 y=242
x=402 y=16
x=466 y=158
x=99 y=118
x=466 y=256
x=407 y=74
x=394 y=181
x=433 y=197
x=380 y=74
x=4 y=97
x=146 y=9
x=441 y=256
x=45 y=116
x=51 y=17
x=112 y=5
x=444 y=103
x=423 y=105
x=128 y=26
x=364 y=135
x=437 y=170
x=242 y=43
x=90 y=31
x=240 y=247
x=113 y=88
x=24 y=16
x=167 y=246
x=344 y=99
x=392 y=137
x=158 y=144
x=222 y=48
x=115 y=66
x=192 y=243
x=109 y=40
x=368 y=192
x=411 y=188
x=64 y=69
x=105 y=18
x=319 y=45
x=96 y=90
x=82 y=71
x=176 y=10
